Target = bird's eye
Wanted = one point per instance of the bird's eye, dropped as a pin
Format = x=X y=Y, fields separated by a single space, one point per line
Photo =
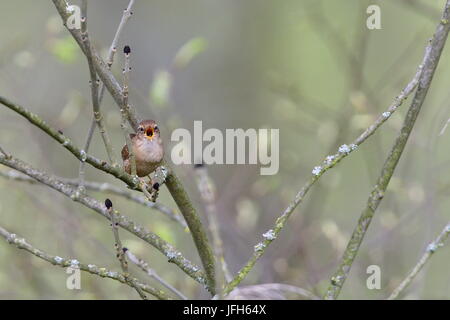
x=141 y=129
x=149 y=132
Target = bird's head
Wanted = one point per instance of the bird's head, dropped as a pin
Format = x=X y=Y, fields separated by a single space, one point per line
x=148 y=129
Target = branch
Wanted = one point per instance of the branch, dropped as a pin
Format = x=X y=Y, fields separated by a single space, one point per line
x=21 y=243
x=165 y=248
x=93 y=84
x=81 y=171
x=432 y=248
x=125 y=110
x=121 y=250
x=152 y=273
x=95 y=97
x=68 y=144
x=432 y=55
x=318 y=171
x=104 y=187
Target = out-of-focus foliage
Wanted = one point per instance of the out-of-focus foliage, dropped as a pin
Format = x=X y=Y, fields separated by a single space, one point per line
x=65 y=49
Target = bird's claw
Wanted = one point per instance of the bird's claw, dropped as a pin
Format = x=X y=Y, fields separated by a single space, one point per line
x=148 y=189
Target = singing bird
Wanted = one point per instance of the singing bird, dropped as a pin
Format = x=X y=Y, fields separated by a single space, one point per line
x=147 y=149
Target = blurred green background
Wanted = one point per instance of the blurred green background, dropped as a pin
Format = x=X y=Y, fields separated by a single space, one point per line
x=310 y=68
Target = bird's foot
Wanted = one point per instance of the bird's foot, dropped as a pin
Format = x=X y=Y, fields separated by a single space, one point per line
x=149 y=189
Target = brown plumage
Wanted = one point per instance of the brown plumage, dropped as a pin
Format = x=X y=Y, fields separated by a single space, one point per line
x=147 y=149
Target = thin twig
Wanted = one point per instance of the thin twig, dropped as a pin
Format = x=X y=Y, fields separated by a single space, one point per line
x=21 y=243
x=127 y=13
x=432 y=55
x=4 y=152
x=81 y=170
x=104 y=187
x=101 y=67
x=124 y=111
x=118 y=242
x=144 y=266
x=329 y=162
x=171 y=253
x=431 y=249
x=96 y=101
x=99 y=121
x=444 y=127
x=98 y=117
x=93 y=84
x=120 y=250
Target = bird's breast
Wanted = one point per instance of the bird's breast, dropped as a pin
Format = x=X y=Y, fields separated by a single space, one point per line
x=148 y=151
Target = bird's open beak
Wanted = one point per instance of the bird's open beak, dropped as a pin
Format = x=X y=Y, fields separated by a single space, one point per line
x=150 y=133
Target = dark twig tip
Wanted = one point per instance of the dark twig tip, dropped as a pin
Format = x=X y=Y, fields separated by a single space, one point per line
x=156 y=186
x=126 y=49
x=124 y=249
x=108 y=204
